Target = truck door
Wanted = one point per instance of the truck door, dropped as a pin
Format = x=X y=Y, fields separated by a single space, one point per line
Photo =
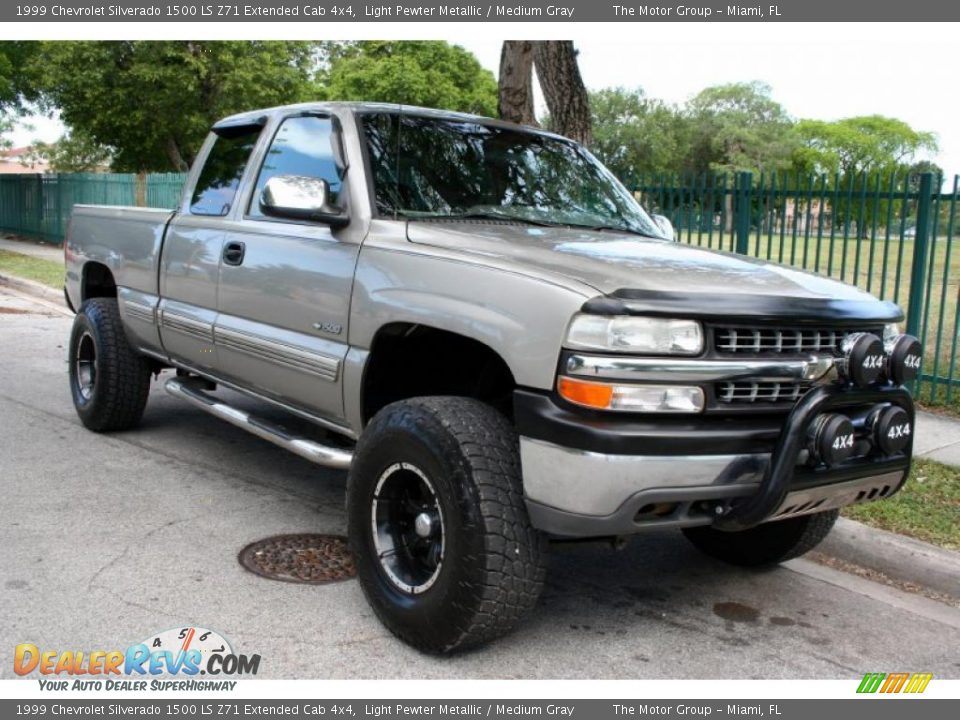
x=284 y=291
x=192 y=248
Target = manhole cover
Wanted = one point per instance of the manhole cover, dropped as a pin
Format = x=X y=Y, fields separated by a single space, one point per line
x=312 y=559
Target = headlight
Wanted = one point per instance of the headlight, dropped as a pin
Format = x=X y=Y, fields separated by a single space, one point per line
x=641 y=335
x=890 y=332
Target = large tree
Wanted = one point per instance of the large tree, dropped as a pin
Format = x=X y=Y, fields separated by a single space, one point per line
x=861 y=155
x=563 y=89
x=153 y=102
x=72 y=153
x=866 y=144
x=634 y=134
x=559 y=75
x=430 y=73
x=515 y=97
x=739 y=127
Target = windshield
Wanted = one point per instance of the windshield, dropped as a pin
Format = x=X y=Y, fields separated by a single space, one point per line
x=444 y=168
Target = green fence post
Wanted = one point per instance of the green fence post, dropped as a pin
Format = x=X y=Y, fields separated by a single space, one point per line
x=743 y=212
x=921 y=244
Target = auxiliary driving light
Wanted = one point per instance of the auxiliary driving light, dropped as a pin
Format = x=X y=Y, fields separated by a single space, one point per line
x=904 y=357
x=864 y=358
x=831 y=439
x=891 y=428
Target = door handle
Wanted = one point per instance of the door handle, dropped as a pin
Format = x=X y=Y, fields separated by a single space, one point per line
x=233 y=253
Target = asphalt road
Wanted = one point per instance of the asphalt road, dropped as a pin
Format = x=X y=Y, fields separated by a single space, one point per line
x=105 y=540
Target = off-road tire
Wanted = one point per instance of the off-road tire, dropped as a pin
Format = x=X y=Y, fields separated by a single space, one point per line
x=122 y=376
x=766 y=544
x=493 y=563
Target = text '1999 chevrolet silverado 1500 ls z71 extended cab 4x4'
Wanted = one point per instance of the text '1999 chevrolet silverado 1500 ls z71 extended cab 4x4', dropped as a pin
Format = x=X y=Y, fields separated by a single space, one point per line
x=511 y=349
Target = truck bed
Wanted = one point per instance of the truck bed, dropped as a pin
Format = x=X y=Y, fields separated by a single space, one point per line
x=127 y=241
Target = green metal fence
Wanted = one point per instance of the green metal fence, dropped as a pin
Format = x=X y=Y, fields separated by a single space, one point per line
x=40 y=205
x=893 y=236
x=162 y=190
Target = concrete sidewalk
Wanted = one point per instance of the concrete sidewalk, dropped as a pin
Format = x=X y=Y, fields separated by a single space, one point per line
x=32 y=248
x=937 y=438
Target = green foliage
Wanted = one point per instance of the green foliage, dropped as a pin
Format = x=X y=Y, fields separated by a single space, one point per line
x=634 y=134
x=16 y=88
x=16 y=85
x=928 y=507
x=152 y=103
x=428 y=73
x=739 y=127
x=871 y=143
x=72 y=153
x=6 y=125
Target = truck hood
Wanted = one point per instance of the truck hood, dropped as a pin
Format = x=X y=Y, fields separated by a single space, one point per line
x=609 y=261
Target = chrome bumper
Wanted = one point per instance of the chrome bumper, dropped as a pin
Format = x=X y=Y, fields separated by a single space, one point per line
x=578 y=493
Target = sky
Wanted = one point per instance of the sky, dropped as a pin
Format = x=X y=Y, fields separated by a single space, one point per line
x=822 y=71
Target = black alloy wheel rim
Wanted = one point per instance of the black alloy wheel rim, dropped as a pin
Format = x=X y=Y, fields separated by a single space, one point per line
x=85 y=366
x=407 y=526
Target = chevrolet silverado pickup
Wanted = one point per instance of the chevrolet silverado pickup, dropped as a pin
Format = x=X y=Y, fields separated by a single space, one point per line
x=499 y=345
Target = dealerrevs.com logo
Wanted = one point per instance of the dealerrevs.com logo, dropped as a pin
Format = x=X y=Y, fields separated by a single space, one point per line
x=154 y=664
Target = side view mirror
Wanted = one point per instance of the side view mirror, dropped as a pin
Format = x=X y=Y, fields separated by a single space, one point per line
x=301 y=198
x=666 y=227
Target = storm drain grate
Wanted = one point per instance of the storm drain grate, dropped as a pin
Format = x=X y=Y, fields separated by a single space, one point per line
x=306 y=558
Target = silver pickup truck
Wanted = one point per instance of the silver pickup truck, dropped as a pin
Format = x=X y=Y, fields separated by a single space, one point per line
x=500 y=346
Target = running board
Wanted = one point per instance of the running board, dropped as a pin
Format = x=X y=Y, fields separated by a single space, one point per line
x=315 y=452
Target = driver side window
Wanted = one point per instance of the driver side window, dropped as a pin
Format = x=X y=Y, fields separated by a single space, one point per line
x=303 y=146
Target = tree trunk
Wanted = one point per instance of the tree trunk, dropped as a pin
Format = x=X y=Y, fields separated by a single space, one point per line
x=566 y=96
x=175 y=156
x=515 y=103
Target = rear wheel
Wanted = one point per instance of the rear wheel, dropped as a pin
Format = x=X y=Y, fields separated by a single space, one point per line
x=444 y=549
x=766 y=544
x=109 y=380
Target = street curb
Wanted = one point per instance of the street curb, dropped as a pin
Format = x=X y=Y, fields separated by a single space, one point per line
x=29 y=287
x=898 y=557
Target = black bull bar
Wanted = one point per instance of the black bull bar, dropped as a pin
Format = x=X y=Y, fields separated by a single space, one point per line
x=780 y=472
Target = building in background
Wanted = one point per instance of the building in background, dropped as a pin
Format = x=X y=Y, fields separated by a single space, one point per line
x=22 y=160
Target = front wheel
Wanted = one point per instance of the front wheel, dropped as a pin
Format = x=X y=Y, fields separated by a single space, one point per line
x=766 y=544
x=445 y=552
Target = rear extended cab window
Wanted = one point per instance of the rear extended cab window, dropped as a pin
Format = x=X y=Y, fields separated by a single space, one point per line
x=219 y=179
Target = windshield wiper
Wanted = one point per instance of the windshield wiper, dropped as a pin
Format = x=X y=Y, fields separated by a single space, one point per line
x=621 y=229
x=494 y=215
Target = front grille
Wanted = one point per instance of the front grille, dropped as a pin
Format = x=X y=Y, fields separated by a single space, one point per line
x=779 y=341
x=749 y=391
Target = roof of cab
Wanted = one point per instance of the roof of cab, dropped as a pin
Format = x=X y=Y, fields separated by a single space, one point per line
x=258 y=117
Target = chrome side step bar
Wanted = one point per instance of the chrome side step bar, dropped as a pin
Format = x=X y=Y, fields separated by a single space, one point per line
x=315 y=452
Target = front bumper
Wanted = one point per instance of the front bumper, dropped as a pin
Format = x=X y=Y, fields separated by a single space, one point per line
x=590 y=476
